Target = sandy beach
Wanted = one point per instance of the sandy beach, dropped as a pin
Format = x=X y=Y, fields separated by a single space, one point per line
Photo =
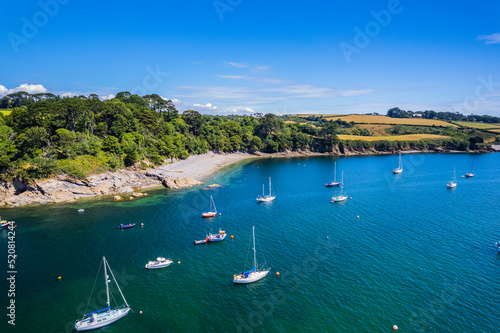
x=200 y=167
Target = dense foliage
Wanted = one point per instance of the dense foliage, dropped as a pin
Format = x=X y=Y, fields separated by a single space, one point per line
x=445 y=116
x=46 y=134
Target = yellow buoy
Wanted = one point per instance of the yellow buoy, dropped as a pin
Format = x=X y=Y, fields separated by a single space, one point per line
x=277 y=273
x=59 y=278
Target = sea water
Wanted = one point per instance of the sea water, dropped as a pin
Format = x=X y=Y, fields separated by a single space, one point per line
x=402 y=250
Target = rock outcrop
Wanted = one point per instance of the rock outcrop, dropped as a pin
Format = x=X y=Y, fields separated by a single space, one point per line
x=68 y=189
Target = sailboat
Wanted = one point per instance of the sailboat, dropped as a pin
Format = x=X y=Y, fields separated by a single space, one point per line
x=341 y=197
x=213 y=211
x=470 y=174
x=106 y=316
x=256 y=273
x=453 y=183
x=399 y=169
x=335 y=183
x=266 y=198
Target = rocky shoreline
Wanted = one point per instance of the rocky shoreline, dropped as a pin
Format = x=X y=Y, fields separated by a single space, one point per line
x=126 y=182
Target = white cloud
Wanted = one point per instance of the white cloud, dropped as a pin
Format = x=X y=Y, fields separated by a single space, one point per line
x=176 y=101
x=105 y=98
x=490 y=39
x=206 y=107
x=238 y=64
x=260 y=68
x=29 y=88
x=68 y=94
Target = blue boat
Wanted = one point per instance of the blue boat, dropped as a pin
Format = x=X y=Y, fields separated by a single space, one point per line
x=126 y=226
x=335 y=183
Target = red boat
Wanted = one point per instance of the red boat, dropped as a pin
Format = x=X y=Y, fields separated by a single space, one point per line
x=213 y=211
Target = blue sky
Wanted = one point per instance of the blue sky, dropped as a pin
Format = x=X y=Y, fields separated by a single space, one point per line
x=246 y=56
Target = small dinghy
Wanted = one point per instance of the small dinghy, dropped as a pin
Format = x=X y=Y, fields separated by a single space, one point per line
x=126 y=226
x=81 y=210
x=160 y=262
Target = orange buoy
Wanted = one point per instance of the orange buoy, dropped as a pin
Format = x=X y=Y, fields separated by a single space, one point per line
x=140 y=312
x=232 y=236
x=178 y=262
x=395 y=328
x=277 y=273
x=358 y=216
x=142 y=224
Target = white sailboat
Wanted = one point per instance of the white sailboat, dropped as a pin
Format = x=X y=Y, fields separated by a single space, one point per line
x=106 y=316
x=256 y=273
x=266 y=198
x=453 y=183
x=335 y=183
x=399 y=169
x=340 y=197
x=213 y=210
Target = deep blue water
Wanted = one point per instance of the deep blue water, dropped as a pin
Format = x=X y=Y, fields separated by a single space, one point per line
x=420 y=256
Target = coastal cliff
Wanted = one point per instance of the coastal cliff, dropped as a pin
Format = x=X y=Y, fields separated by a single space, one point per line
x=68 y=189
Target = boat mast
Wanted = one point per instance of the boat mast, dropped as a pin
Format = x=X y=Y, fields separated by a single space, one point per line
x=254 y=250
x=106 y=278
x=269 y=186
x=263 y=194
x=335 y=173
x=342 y=183
x=400 y=161
x=117 y=287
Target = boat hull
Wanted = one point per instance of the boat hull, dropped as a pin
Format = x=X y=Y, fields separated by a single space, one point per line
x=451 y=185
x=252 y=277
x=127 y=226
x=339 y=198
x=209 y=214
x=152 y=265
x=469 y=175
x=333 y=184
x=110 y=317
x=397 y=171
x=266 y=198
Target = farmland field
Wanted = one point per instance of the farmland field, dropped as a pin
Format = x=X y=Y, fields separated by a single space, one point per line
x=375 y=129
x=408 y=137
x=477 y=125
x=369 y=119
x=5 y=111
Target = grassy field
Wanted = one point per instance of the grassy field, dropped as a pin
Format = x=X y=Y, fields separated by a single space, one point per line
x=5 y=111
x=408 y=137
x=369 y=119
x=478 y=125
x=496 y=130
x=375 y=129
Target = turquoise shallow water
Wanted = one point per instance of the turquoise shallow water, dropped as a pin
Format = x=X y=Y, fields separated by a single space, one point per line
x=420 y=256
